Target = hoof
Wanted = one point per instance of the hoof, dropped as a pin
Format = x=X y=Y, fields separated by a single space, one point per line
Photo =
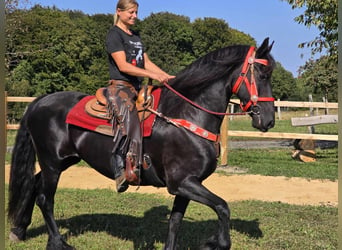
x=14 y=238
x=213 y=244
x=59 y=245
x=17 y=234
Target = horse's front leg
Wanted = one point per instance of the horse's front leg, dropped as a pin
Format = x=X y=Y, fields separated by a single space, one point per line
x=45 y=201
x=179 y=206
x=193 y=189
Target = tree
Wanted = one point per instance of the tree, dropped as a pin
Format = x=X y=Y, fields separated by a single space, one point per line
x=283 y=83
x=320 y=76
x=238 y=37
x=323 y=15
x=168 y=40
x=13 y=24
x=61 y=48
x=206 y=35
x=210 y=34
x=173 y=42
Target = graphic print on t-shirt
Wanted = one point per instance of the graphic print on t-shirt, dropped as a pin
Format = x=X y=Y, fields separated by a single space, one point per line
x=137 y=52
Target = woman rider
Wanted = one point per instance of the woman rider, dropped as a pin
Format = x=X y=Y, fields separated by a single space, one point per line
x=128 y=65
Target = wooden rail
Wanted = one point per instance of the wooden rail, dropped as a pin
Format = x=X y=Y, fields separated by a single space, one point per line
x=19 y=99
x=292 y=104
x=281 y=135
x=12 y=126
x=314 y=120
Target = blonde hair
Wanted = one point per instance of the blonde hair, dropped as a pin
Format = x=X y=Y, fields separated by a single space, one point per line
x=124 y=5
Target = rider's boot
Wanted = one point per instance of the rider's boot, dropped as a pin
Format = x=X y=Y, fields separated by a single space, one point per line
x=127 y=137
x=120 y=179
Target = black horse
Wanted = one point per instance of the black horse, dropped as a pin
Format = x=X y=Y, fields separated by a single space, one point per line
x=181 y=159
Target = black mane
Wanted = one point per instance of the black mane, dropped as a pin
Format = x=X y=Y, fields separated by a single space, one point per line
x=211 y=67
x=214 y=66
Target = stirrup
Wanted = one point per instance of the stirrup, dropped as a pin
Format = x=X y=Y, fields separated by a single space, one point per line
x=132 y=171
x=121 y=183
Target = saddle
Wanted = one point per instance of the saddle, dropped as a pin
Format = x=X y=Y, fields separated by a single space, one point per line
x=98 y=106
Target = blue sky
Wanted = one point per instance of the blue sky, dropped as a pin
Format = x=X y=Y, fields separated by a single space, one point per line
x=258 y=18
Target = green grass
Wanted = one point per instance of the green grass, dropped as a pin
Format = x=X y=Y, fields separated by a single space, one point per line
x=102 y=219
x=11 y=137
x=283 y=126
x=278 y=162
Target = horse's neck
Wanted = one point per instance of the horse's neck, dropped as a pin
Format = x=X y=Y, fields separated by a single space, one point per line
x=212 y=98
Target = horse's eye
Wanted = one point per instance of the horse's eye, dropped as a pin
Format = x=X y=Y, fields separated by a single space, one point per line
x=264 y=76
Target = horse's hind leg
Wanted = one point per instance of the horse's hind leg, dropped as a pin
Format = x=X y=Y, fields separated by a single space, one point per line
x=192 y=189
x=45 y=201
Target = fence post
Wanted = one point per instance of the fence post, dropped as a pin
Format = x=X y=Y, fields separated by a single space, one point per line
x=2 y=121
x=279 y=111
x=311 y=128
x=325 y=100
x=5 y=115
x=231 y=111
x=224 y=142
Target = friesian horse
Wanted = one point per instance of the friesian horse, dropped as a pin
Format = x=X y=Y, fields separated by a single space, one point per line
x=181 y=159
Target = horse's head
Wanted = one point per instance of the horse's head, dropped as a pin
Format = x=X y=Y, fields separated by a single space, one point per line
x=253 y=86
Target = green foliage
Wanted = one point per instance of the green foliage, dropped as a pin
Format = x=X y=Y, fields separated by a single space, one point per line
x=168 y=39
x=320 y=76
x=282 y=83
x=323 y=15
x=207 y=38
x=54 y=51
x=173 y=42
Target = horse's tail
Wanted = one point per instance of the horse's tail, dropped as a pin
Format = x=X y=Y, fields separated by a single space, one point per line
x=22 y=179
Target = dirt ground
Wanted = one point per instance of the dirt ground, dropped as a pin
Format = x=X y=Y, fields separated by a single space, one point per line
x=231 y=188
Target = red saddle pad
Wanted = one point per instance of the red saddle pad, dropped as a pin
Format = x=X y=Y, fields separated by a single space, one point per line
x=78 y=117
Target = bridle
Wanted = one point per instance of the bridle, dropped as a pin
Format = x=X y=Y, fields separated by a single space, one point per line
x=248 y=65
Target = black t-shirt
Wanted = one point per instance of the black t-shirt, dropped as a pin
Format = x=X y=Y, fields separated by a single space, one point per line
x=118 y=40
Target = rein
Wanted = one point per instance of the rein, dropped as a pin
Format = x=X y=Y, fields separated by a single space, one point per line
x=250 y=85
x=198 y=106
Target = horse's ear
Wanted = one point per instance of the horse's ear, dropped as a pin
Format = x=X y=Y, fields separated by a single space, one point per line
x=265 y=48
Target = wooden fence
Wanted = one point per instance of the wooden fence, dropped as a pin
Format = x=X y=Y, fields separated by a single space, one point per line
x=276 y=135
x=224 y=135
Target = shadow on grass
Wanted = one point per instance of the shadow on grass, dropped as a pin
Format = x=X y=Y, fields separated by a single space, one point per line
x=146 y=231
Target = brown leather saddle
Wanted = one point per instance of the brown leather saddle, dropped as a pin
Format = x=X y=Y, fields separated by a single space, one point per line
x=98 y=106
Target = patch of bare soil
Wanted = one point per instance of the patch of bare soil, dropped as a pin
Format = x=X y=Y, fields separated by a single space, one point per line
x=231 y=188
